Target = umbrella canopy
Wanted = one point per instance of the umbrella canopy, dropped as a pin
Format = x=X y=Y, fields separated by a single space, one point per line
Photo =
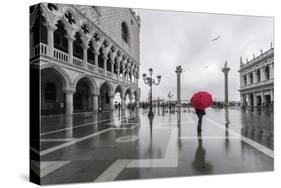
x=201 y=100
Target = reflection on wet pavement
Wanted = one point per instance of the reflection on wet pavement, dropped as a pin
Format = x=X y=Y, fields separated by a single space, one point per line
x=128 y=145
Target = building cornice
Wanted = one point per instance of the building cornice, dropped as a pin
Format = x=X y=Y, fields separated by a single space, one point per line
x=266 y=55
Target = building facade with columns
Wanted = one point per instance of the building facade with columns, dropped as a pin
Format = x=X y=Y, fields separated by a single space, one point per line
x=257 y=80
x=84 y=55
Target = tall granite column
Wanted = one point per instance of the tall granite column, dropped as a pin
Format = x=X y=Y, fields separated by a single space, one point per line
x=225 y=70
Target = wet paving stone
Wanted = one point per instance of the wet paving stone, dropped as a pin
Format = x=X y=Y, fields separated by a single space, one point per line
x=128 y=145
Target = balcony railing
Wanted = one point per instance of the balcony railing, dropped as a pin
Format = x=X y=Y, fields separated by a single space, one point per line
x=42 y=49
x=78 y=62
x=61 y=56
x=109 y=74
x=100 y=71
x=39 y=49
x=92 y=67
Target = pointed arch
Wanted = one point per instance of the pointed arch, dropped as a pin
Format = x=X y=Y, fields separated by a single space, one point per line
x=109 y=86
x=67 y=84
x=93 y=84
x=60 y=40
x=119 y=89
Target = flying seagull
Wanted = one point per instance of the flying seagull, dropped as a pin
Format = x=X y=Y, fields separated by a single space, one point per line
x=216 y=38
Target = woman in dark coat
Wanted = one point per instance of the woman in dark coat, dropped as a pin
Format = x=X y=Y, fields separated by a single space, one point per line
x=200 y=114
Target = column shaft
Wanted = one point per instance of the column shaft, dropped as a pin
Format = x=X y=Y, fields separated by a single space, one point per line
x=85 y=57
x=105 y=65
x=69 y=102
x=95 y=102
x=70 y=50
x=255 y=99
x=50 y=41
x=96 y=58
x=111 y=102
x=123 y=103
x=262 y=74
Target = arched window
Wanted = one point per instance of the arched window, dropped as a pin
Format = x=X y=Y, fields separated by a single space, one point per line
x=50 y=91
x=125 y=32
x=60 y=41
x=77 y=46
x=90 y=53
x=40 y=30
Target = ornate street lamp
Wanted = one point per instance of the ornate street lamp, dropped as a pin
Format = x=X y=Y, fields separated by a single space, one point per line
x=150 y=81
x=170 y=95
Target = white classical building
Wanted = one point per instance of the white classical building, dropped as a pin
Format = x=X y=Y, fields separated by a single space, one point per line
x=86 y=55
x=256 y=80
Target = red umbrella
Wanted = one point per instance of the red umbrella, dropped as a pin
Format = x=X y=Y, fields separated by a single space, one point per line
x=201 y=100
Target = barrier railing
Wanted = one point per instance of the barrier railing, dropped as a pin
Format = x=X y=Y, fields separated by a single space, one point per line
x=59 y=55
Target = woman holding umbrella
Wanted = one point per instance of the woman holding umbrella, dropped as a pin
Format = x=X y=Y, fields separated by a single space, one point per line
x=200 y=101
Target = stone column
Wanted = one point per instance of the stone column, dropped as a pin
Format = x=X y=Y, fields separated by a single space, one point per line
x=95 y=101
x=262 y=74
x=69 y=101
x=255 y=80
x=105 y=65
x=255 y=99
x=137 y=102
x=96 y=57
x=50 y=40
x=248 y=79
x=111 y=102
x=249 y=99
x=122 y=102
x=271 y=71
x=85 y=57
x=70 y=49
x=262 y=98
x=272 y=96
x=225 y=70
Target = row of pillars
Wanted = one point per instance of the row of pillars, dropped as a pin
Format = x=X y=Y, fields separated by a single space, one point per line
x=50 y=29
x=69 y=102
x=246 y=98
x=262 y=76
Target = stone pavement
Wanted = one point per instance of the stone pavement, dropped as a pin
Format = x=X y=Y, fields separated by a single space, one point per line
x=127 y=145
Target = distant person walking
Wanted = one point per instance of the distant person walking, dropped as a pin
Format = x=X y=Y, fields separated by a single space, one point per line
x=200 y=101
x=200 y=114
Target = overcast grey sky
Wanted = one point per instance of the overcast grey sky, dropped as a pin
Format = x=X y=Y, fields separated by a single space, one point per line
x=170 y=38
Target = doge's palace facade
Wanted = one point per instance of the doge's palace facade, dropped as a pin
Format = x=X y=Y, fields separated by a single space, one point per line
x=85 y=54
x=257 y=80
